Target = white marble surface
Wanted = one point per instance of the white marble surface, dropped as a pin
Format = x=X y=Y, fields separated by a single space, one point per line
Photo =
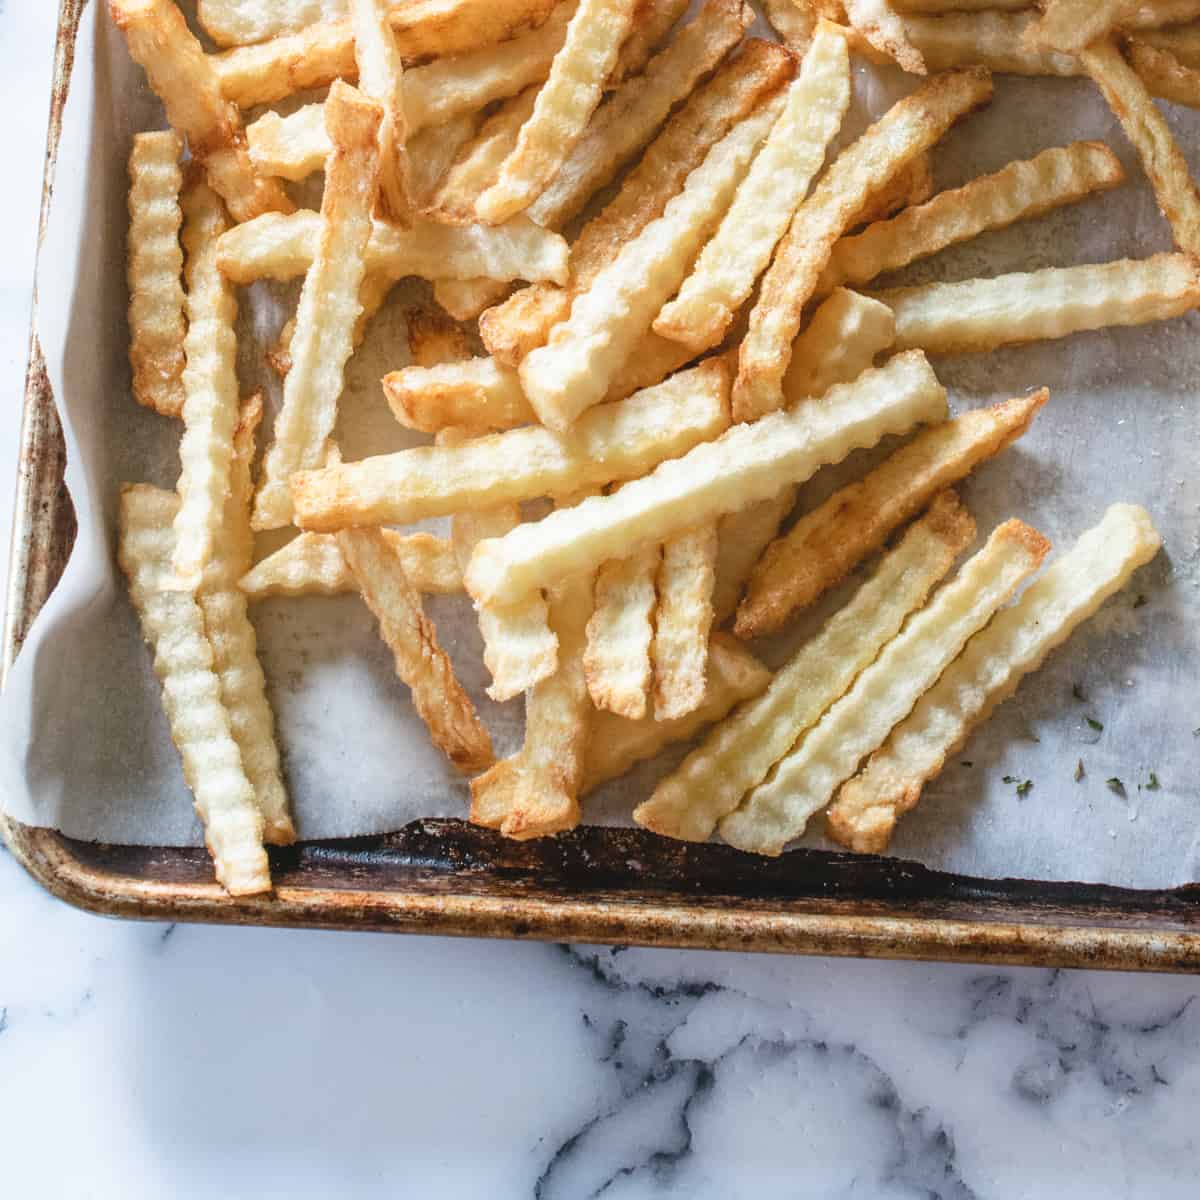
x=152 y=1061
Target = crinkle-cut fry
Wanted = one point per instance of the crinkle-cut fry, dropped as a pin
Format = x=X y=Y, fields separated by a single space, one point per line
x=1071 y=25
x=987 y=673
x=292 y=147
x=795 y=23
x=1165 y=76
x=154 y=266
x=652 y=360
x=882 y=28
x=371 y=296
x=619 y=634
x=183 y=78
x=381 y=78
x=981 y=314
x=1023 y=189
x=465 y=299
x=329 y=307
x=683 y=621
x=242 y=22
x=826 y=544
x=616 y=744
x=515 y=328
x=432 y=152
x=806 y=778
x=738 y=754
x=909 y=127
x=614 y=442
x=1147 y=129
x=912 y=185
x=173 y=626
x=652 y=24
x=741 y=539
x=563 y=107
x=519 y=647
x=434 y=339
x=479 y=161
x=840 y=342
x=778 y=180
x=745 y=464
x=272 y=70
x=993 y=40
x=629 y=117
x=478 y=395
x=313 y=565
x=1182 y=41
x=575 y=368
x=535 y=793
x=420 y=661
x=210 y=385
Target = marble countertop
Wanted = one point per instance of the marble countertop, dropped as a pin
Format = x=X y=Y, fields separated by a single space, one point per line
x=181 y=1061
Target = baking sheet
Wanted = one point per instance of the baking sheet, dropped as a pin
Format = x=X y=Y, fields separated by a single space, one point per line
x=83 y=743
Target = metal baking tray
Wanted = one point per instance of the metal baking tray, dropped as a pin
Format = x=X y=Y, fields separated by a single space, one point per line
x=595 y=885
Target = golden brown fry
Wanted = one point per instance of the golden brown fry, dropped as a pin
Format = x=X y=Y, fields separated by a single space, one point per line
x=619 y=634
x=741 y=539
x=794 y=22
x=652 y=22
x=877 y=21
x=1165 y=76
x=1182 y=41
x=1071 y=25
x=477 y=394
x=842 y=340
x=685 y=616
x=433 y=338
x=828 y=542
x=957 y=6
x=912 y=185
x=909 y=127
x=993 y=40
x=421 y=663
x=180 y=73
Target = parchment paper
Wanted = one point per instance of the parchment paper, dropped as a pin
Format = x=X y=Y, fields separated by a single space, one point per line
x=83 y=743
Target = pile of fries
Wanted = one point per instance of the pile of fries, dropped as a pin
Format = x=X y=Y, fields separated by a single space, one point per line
x=672 y=271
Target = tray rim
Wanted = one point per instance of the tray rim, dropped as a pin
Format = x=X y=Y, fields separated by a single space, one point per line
x=41 y=540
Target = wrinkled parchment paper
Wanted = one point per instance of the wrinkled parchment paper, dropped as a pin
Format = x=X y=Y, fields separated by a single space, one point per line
x=84 y=746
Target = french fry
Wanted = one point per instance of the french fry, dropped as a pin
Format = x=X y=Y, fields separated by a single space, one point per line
x=433 y=151
x=1154 y=14
x=210 y=385
x=825 y=545
x=519 y=647
x=574 y=369
x=1165 y=76
x=292 y=147
x=745 y=464
x=240 y=22
x=329 y=306
x=840 y=342
x=741 y=539
x=795 y=23
x=180 y=73
x=652 y=23
x=272 y=70
x=652 y=360
x=805 y=779
x=173 y=626
x=912 y=185
x=1147 y=129
x=1181 y=41
x=878 y=23
x=562 y=109
x=154 y=265
x=615 y=442
x=993 y=40
x=1023 y=189
x=1071 y=25
x=381 y=78
x=935 y=7
x=778 y=179
x=909 y=127
x=616 y=744
x=313 y=565
x=981 y=314
x=987 y=673
x=465 y=299
x=279 y=247
x=433 y=339
x=478 y=395
x=522 y=323
x=421 y=663
x=738 y=754
x=685 y=617
x=616 y=662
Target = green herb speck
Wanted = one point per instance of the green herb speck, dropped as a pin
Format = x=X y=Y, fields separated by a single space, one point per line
x=1010 y=779
x=1098 y=726
x=1115 y=785
x=1024 y=786
x=1079 y=770
x=1077 y=692
x=1140 y=601
x=966 y=762
x=1153 y=785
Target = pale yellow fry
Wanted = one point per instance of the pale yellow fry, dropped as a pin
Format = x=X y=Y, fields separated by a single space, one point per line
x=282 y=247
x=795 y=23
x=513 y=329
x=183 y=78
x=615 y=744
x=614 y=442
x=1183 y=42
x=1023 y=189
x=432 y=152
x=329 y=306
x=154 y=265
x=683 y=621
x=1070 y=25
x=846 y=334
x=994 y=40
x=746 y=464
x=652 y=23
x=292 y=147
x=1165 y=76
x=381 y=77
x=173 y=626
x=1147 y=129
x=465 y=299
x=805 y=779
x=421 y=663
x=240 y=22
x=987 y=673
x=651 y=361
x=738 y=753
x=741 y=539
x=778 y=180
x=631 y=114
x=619 y=634
x=878 y=23
x=210 y=385
x=574 y=369
x=909 y=127
x=957 y=6
x=478 y=395
x=371 y=297
x=981 y=314
x=912 y=185
x=826 y=544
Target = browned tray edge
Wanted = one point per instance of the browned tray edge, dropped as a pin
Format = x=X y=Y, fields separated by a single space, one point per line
x=1070 y=936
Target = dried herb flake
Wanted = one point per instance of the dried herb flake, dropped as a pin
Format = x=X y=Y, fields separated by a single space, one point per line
x=1077 y=692
x=1153 y=785
x=1079 y=770
x=1024 y=786
x=1098 y=726
x=1115 y=785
